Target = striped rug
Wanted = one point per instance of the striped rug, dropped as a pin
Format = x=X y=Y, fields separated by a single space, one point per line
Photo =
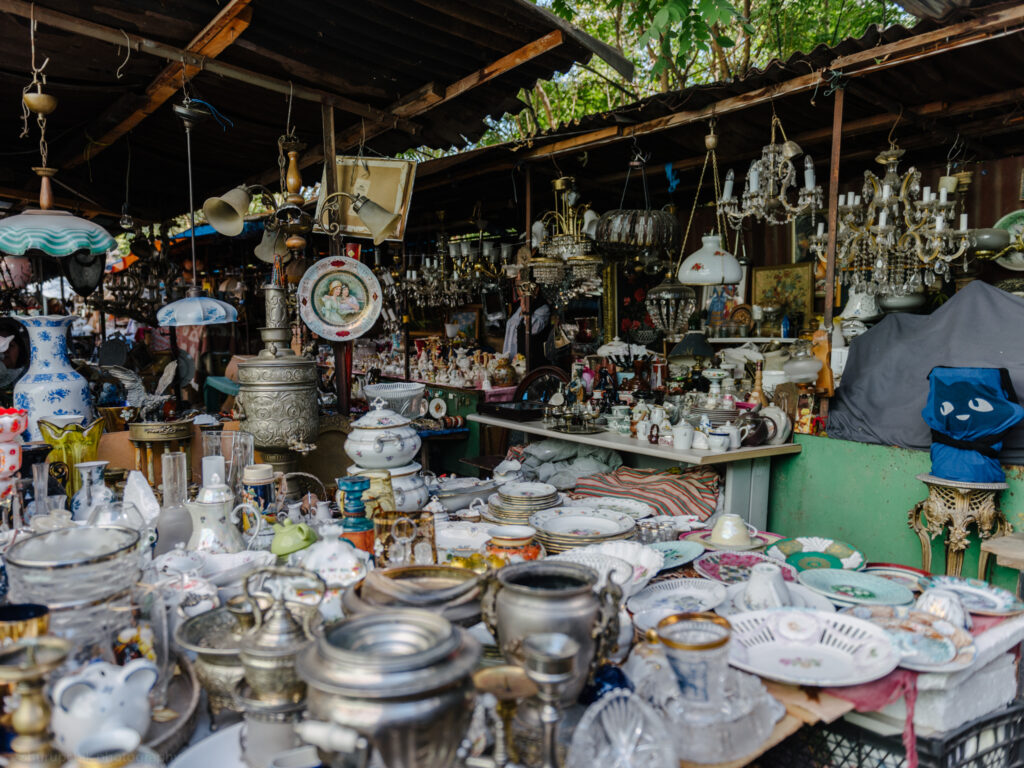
x=693 y=491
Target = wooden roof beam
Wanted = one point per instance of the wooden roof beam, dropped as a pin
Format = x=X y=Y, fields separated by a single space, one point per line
x=221 y=32
x=430 y=95
x=145 y=45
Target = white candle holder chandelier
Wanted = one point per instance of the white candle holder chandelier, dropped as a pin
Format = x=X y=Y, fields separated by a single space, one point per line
x=896 y=237
x=771 y=185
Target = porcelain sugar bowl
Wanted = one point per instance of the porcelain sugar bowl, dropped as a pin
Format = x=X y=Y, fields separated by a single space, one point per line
x=407 y=484
x=381 y=439
x=400 y=678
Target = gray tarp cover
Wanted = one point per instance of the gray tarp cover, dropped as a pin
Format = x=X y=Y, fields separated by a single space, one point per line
x=885 y=384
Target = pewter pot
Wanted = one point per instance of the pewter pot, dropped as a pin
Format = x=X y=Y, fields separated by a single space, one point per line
x=268 y=650
x=541 y=596
x=400 y=678
x=214 y=637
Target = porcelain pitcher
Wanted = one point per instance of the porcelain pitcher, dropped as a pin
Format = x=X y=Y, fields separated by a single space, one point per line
x=215 y=527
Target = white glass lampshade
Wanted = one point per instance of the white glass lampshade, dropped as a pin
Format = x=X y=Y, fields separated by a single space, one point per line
x=53 y=233
x=710 y=264
x=196 y=309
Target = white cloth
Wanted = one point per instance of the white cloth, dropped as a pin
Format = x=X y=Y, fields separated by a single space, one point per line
x=539 y=320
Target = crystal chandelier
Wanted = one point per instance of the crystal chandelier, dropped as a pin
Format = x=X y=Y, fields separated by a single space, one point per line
x=564 y=239
x=769 y=190
x=895 y=237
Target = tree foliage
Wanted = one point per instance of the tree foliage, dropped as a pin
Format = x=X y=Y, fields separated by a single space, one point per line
x=677 y=43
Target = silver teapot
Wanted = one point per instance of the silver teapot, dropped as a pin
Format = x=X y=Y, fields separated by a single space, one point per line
x=268 y=650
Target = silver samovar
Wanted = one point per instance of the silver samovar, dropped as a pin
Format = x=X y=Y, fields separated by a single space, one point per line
x=278 y=390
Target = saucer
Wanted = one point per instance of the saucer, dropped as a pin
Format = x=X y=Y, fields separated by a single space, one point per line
x=757 y=541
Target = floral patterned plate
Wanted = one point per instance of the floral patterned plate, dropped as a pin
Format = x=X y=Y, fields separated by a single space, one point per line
x=677 y=553
x=928 y=643
x=842 y=586
x=808 y=552
x=732 y=567
x=527 y=490
x=758 y=541
x=635 y=509
x=978 y=597
x=906 y=575
x=580 y=522
x=801 y=647
x=681 y=595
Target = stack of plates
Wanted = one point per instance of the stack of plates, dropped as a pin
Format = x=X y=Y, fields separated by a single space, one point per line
x=717 y=416
x=515 y=502
x=562 y=528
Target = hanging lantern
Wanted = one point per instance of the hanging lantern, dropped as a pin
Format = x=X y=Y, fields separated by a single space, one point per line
x=710 y=264
x=670 y=305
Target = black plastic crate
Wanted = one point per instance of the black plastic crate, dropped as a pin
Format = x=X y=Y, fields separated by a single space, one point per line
x=993 y=741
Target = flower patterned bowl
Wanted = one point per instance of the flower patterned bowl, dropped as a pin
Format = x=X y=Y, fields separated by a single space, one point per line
x=13 y=421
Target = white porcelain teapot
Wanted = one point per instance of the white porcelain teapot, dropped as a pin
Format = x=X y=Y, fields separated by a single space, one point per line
x=99 y=697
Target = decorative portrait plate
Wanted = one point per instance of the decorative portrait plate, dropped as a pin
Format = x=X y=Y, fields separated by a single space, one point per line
x=339 y=298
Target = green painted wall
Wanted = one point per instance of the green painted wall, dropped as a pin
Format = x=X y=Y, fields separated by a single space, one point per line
x=861 y=494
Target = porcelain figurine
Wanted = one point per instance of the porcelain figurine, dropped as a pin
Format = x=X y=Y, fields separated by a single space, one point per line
x=50 y=386
x=99 y=697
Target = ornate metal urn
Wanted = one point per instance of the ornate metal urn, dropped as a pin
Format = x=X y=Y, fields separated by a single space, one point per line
x=278 y=392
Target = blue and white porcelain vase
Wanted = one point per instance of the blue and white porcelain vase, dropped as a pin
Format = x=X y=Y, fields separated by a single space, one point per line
x=50 y=386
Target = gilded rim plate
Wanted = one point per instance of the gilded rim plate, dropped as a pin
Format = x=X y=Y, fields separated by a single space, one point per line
x=928 y=643
x=516 y=491
x=677 y=553
x=681 y=595
x=978 y=597
x=339 y=298
x=758 y=541
x=438 y=408
x=732 y=567
x=842 y=586
x=572 y=523
x=808 y=552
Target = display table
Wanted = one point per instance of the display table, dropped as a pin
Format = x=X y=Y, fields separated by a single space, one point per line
x=747 y=470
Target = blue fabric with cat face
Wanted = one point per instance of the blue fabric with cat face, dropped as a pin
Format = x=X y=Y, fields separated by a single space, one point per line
x=969 y=410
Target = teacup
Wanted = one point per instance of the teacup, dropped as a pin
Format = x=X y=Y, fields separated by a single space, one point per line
x=682 y=435
x=700 y=441
x=732 y=530
x=718 y=441
x=946 y=605
x=766 y=588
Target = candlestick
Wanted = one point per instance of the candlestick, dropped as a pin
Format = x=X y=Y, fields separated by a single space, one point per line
x=963 y=222
x=940 y=223
x=926 y=194
x=886 y=192
x=808 y=172
x=754 y=177
x=883 y=217
x=942 y=194
x=821 y=228
x=730 y=179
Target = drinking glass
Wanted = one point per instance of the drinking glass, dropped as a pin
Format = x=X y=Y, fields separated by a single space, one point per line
x=697 y=647
x=236 y=447
x=139 y=631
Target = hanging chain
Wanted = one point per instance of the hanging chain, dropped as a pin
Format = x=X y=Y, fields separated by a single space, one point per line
x=693 y=210
x=289 y=136
x=38 y=80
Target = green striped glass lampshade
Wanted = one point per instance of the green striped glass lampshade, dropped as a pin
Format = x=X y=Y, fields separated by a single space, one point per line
x=52 y=233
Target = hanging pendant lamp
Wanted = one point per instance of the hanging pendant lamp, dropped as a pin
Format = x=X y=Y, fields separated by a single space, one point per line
x=42 y=231
x=196 y=308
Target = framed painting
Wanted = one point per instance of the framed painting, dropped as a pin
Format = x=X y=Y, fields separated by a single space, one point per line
x=468 y=320
x=788 y=285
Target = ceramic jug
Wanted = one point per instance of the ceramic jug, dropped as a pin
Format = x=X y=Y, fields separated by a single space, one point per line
x=93 y=492
x=215 y=527
x=102 y=696
x=50 y=386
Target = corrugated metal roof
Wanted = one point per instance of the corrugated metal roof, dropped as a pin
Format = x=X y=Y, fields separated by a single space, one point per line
x=373 y=51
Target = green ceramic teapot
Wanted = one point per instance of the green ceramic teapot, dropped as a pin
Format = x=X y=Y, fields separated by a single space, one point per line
x=290 y=537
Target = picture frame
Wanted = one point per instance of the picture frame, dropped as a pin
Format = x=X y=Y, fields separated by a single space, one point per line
x=1021 y=196
x=468 y=320
x=800 y=231
x=387 y=181
x=790 y=285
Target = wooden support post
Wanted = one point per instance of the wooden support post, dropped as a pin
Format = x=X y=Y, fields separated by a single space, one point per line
x=528 y=299
x=342 y=349
x=833 y=207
